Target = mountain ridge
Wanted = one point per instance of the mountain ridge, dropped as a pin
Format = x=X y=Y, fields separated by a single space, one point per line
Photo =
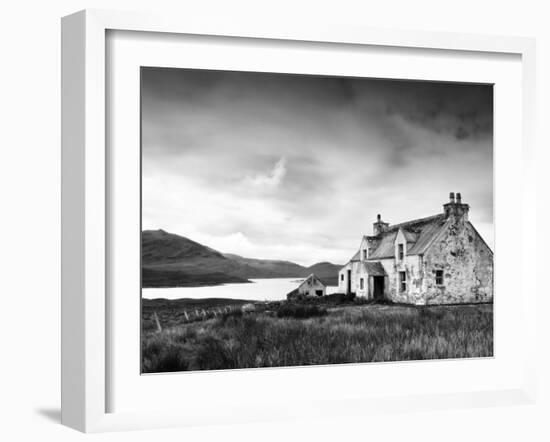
x=171 y=260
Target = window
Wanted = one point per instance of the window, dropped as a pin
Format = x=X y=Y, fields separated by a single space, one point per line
x=400 y=252
x=402 y=281
x=361 y=283
x=439 y=277
x=365 y=254
x=342 y=277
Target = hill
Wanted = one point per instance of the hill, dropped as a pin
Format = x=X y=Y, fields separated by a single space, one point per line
x=170 y=260
x=158 y=246
x=266 y=268
x=326 y=271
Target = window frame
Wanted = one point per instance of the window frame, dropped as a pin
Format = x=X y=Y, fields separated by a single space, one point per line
x=442 y=277
x=401 y=251
x=402 y=281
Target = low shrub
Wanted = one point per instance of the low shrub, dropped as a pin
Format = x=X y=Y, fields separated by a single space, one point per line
x=233 y=314
x=162 y=356
x=350 y=296
x=212 y=354
x=363 y=301
x=332 y=299
x=300 y=311
x=337 y=298
x=429 y=313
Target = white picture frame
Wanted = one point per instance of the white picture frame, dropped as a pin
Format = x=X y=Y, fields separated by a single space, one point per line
x=86 y=208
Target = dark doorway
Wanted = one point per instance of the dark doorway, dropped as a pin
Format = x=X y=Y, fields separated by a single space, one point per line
x=348 y=291
x=378 y=287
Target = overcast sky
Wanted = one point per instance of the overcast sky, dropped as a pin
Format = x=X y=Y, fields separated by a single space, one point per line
x=296 y=167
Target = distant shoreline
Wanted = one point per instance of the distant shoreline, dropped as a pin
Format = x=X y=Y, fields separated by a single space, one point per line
x=295 y=279
x=194 y=284
x=171 y=260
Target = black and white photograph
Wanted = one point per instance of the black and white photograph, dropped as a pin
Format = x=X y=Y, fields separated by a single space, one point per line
x=277 y=220
x=300 y=220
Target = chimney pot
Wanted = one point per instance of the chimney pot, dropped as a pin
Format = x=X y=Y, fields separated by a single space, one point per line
x=378 y=218
x=457 y=209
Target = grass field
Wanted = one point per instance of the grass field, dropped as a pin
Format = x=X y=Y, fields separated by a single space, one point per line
x=289 y=335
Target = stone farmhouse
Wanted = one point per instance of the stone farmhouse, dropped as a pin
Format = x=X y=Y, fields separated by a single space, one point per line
x=311 y=286
x=440 y=259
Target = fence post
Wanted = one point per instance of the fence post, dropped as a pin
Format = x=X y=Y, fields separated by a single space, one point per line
x=159 y=327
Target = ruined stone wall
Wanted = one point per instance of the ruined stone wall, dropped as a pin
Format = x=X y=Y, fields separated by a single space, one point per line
x=310 y=287
x=467 y=264
x=412 y=266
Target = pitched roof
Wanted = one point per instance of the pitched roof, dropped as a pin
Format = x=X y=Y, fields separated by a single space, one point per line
x=374 y=268
x=311 y=277
x=293 y=292
x=429 y=231
x=410 y=236
x=419 y=234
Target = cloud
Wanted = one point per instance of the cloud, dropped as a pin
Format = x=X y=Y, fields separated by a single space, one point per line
x=271 y=179
x=297 y=167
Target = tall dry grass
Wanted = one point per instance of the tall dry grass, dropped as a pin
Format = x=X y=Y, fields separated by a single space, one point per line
x=344 y=335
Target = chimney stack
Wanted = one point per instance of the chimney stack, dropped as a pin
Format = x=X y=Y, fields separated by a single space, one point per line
x=456 y=208
x=379 y=226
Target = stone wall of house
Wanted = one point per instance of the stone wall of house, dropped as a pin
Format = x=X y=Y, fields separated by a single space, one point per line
x=357 y=272
x=342 y=275
x=412 y=266
x=467 y=265
x=366 y=291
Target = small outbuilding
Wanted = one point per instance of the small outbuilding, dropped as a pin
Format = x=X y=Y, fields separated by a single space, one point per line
x=311 y=286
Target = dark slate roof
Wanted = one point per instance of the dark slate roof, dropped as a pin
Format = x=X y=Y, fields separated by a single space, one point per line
x=419 y=234
x=410 y=236
x=428 y=233
x=374 y=268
